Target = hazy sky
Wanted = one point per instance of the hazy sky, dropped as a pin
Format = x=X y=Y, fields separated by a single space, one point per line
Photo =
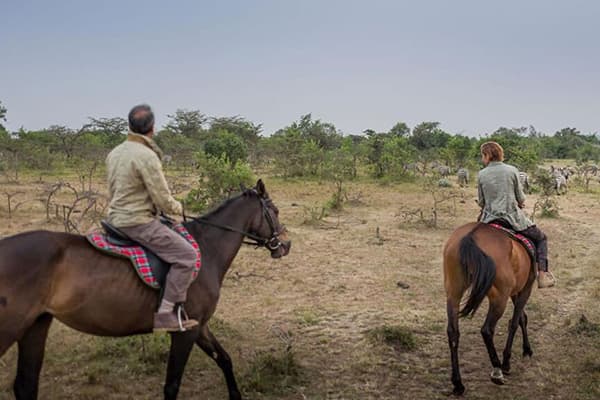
x=472 y=65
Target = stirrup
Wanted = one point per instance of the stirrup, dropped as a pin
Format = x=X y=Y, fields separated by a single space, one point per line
x=180 y=312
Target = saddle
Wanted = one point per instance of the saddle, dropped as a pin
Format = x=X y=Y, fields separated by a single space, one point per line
x=149 y=267
x=521 y=239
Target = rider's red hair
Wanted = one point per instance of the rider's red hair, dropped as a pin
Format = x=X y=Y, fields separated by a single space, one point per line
x=493 y=150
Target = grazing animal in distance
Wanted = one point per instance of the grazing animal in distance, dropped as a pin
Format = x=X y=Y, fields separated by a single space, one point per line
x=463 y=177
x=524 y=179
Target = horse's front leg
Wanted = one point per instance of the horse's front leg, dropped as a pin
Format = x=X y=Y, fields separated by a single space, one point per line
x=527 y=352
x=211 y=346
x=181 y=346
x=31 y=356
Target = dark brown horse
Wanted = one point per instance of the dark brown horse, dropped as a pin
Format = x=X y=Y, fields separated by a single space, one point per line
x=44 y=275
x=489 y=263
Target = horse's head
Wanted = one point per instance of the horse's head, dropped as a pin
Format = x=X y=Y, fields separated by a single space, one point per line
x=265 y=223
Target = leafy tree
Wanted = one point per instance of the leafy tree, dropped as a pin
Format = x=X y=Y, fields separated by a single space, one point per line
x=226 y=144
x=182 y=149
x=397 y=152
x=323 y=134
x=429 y=135
x=299 y=149
x=285 y=147
x=400 y=129
x=388 y=154
x=568 y=141
x=189 y=123
x=111 y=130
x=519 y=150
x=459 y=151
x=246 y=130
x=338 y=167
x=39 y=150
x=375 y=144
x=311 y=157
x=65 y=138
x=11 y=150
x=219 y=178
x=587 y=152
x=354 y=146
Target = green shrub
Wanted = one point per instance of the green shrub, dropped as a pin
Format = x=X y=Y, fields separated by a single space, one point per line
x=227 y=145
x=272 y=372
x=219 y=178
x=399 y=337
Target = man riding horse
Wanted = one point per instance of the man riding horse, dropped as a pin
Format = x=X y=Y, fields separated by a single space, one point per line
x=501 y=200
x=138 y=191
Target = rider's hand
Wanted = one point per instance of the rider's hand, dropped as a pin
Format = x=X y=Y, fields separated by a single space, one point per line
x=522 y=205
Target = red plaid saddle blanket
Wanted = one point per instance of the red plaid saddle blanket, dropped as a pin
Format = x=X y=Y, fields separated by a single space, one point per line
x=523 y=240
x=146 y=264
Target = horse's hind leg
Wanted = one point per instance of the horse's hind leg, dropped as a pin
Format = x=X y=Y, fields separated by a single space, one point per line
x=452 y=306
x=31 y=356
x=497 y=307
x=214 y=350
x=519 y=302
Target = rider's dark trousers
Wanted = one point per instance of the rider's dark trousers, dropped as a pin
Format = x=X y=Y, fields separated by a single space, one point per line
x=541 y=244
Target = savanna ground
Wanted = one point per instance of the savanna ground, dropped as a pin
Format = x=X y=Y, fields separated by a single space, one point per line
x=356 y=311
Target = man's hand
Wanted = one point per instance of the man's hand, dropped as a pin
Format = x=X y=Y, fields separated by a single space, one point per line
x=522 y=205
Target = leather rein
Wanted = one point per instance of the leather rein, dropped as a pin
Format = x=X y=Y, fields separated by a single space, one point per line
x=272 y=243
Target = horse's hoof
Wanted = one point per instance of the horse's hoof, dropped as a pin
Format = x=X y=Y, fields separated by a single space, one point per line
x=527 y=353
x=458 y=390
x=498 y=381
x=506 y=371
x=497 y=376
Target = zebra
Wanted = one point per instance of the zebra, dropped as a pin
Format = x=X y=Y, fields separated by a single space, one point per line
x=463 y=177
x=524 y=179
x=444 y=170
x=560 y=181
x=411 y=167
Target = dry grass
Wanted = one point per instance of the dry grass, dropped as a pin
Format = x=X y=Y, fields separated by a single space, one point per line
x=338 y=284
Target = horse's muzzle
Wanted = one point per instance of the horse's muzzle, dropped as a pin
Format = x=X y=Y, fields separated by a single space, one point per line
x=282 y=250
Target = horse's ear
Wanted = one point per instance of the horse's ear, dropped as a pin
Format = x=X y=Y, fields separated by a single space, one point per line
x=260 y=189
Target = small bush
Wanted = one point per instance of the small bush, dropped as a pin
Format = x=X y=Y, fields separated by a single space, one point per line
x=399 y=337
x=585 y=327
x=272 y=372
x=547 y=206
x=314 y=215
x=307 y=317
x=445 y=183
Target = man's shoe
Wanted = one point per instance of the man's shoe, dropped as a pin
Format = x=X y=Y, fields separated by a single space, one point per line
x=546 y=279
x=168 y=322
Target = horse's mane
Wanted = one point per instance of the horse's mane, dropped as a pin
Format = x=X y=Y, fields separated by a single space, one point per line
x=226 y=203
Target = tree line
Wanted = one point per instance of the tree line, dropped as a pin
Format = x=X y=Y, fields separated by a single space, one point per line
x=307 y=147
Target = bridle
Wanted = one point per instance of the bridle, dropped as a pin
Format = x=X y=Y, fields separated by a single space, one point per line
x=272 y=242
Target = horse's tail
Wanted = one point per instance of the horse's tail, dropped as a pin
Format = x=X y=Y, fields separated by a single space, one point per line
x=479 y=270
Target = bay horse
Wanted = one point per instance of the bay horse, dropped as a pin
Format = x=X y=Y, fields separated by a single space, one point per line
x=46 y=275
x=491 y=264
